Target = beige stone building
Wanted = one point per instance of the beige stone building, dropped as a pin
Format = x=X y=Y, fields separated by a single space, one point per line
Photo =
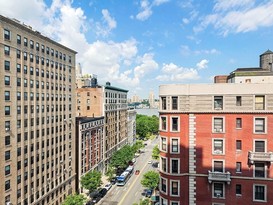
x=111 y=103
x=37 y=122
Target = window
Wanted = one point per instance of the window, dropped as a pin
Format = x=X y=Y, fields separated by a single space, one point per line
x=174 y=202
x=218 y=166
x=18 y=68
x=7 y=110
x=218 y=124
x=7 y=170
x=238 y=100
x=163 y=123
x=174 y=166
x=259 y=125
x=163 y=164
x=7 y=155
x=218 y=102
x=7 y=140
x=7 y=95
x=174 y=103
x=218 y=146
x=259 y=170
x=18 y=39
x=25 y=56
x=218 y=190
x=164 y=103
x=259 y=192
x=7 y=65
x=163 y=185
x=7 y=185
x=238 y=189
x=238 y=167
x=7 y=80
x=174 y=124
x=25 y=41
x=37 y=46
x=238 y=123
x=31 y=43
x=259 y=146
x=6 y=34
x=163 y=144
x=174 y=146
x=259 y=103
x=18 y=54
x=7 y=50
x=174 y=188
x=238 y=145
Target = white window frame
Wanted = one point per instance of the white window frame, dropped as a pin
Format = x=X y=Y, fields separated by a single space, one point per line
x=215 y=130
x=178 y=202
x=161 y=144
x=178 y=145
x=265 y=194
x=223 y=197
x=171 y=159
x=220 y=161
x=265 y=125
x=165 y=201
x=265 y=170
x=218 y=204
x=171 y=124
x=161 y=122
x=213 y=150
x=178 y=188
x=161 y=185
x=161 y=164
x=265 y=144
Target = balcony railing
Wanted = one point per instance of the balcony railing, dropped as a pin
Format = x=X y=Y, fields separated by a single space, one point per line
x=260 y=157
x=219 y=176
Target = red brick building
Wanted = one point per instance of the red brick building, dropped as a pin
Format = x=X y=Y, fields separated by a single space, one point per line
x=216 y=140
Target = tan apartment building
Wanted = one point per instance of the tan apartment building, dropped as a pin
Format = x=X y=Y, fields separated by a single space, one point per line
x=111 y=103
x=37 y=122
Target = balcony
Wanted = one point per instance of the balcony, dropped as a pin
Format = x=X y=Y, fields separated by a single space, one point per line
x=219 y=177
x=260 y=157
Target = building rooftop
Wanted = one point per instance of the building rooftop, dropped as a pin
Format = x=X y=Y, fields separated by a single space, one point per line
x=88 y=119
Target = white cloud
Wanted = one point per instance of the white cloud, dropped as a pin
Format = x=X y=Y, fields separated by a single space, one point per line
x=231 y=16
x=185 y=50
x=110 y=21
x=202 y=64
x=185 y=20
x=172 y=72
x=146 y=8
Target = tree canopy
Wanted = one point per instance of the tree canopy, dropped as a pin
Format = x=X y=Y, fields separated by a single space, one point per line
x=150 y=179
x=75 y=199
x=91 y=181
x=155 y=153
x=146 y=125
x=121 y=157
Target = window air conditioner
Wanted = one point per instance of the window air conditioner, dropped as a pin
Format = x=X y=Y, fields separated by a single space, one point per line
x=7 y=129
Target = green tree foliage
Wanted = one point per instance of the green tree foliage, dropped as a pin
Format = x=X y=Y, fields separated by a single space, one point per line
x=155 y=153
x=75 y=199
x=150 y=179
x=138 y=145
x=121 y=157
x=110 y=173
x=146 y=125
x=91 y=181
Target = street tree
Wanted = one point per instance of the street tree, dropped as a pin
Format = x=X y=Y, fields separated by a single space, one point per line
x=121 y=158
x=150 y=179
x=146 y=125
x=155 y=153
x=75 y=199
x=91 y=180
x=138 y=145
x=110 y=173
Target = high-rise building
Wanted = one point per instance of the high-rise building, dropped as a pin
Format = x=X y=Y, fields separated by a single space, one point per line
x=37 y=122
x=216 y=140
x=152 y=99
x=111 y=103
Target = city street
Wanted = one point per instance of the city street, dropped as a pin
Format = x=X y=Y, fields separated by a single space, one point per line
x=133 y=191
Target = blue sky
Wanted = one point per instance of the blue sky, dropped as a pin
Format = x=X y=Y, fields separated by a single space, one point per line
x=140 y=44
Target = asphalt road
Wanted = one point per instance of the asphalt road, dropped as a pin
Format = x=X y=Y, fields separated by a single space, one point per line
x=133 y=191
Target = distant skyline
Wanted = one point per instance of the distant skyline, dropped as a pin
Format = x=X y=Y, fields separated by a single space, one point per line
x=140 y=44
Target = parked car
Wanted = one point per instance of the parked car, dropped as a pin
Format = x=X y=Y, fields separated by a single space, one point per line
x=148 y=193
x=90 y=203
x=108 y=186
x=113 y=181
x=150 y=162
x=96 y=198
x=137 y=172
x=103 y=192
